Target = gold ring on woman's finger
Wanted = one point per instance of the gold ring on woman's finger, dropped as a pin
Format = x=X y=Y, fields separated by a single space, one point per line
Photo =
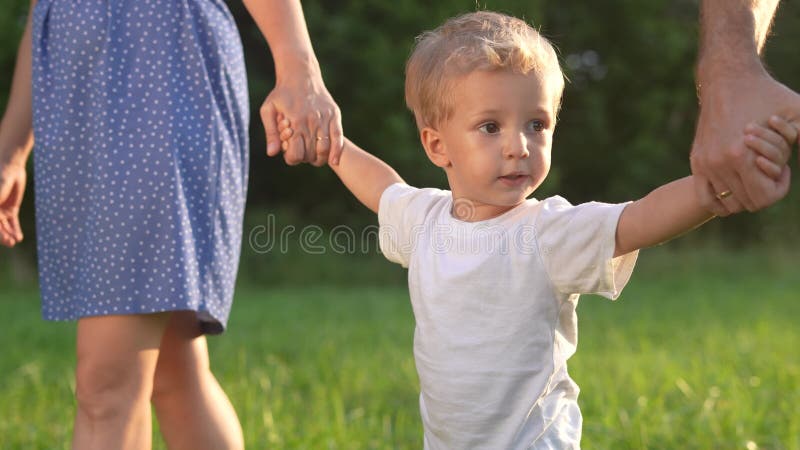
x=723 y=195
x=322 y=138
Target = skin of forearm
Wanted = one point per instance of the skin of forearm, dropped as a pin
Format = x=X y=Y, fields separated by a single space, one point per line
x=16 y=134
x=667 y=212
x=732 y=35
x=283 y=25
x=364 y=175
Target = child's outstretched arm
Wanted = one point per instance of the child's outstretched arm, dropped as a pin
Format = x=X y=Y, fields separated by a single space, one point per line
x=674 y=209
x=364 y=175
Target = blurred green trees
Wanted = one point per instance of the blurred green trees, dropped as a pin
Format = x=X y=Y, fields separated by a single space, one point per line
x=625 y=127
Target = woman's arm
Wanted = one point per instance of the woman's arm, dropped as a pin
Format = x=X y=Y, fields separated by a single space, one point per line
x=300 y=93
x=16 y=127
x=16 y=142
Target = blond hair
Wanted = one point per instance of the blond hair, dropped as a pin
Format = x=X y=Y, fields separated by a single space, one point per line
x=482 y=40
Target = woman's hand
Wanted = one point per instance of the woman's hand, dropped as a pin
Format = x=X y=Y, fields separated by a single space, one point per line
x=12 y=188
x=316 y=120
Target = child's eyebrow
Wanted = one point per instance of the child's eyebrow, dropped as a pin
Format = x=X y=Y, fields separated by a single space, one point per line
x=487 y=112
x=536 y=111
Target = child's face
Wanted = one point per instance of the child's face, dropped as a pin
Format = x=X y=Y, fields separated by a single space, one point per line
x=496 y=145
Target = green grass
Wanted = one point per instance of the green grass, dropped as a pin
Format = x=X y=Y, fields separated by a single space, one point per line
x=699 y=353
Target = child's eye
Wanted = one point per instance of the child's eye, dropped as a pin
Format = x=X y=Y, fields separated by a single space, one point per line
x=536 y=126
x=489 y=128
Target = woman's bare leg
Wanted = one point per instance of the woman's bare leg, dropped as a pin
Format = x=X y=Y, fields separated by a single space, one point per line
x=117 y=358
x=192 y=409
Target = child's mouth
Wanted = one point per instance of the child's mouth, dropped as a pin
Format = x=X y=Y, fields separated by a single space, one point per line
x=514 y=178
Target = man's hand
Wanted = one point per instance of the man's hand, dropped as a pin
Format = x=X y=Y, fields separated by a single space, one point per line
x=727 y=179
x=12 y=188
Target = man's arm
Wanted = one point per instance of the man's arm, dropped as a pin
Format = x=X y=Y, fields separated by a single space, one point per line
x=364 y=175
x=735 y=89
x=732 y=35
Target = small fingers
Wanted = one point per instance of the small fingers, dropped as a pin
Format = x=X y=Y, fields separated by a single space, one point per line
x=766 y=151
x=769 y=168
x=286 y=131
x=788 y=131
x=283 y=124
x=773 y=142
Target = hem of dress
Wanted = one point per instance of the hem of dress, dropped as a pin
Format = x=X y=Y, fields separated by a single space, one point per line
x=207 y=323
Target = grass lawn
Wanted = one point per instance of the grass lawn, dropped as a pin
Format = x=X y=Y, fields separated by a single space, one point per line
x=700 y=352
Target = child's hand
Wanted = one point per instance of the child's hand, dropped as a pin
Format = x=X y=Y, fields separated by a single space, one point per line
x=285 y=133
x=773 y=145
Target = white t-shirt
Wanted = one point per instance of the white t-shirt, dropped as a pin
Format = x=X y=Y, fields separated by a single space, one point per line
x=494 y=303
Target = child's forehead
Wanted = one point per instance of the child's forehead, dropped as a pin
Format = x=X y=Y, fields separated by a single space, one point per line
x=502 y=91
x=503 y=79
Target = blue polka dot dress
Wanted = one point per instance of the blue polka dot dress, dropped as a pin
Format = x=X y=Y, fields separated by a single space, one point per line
x=141 y=156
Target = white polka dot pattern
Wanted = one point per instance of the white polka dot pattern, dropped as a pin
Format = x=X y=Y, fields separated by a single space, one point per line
x=140 y=122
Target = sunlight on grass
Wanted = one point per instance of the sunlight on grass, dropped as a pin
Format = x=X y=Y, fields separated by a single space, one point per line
x=698 y=353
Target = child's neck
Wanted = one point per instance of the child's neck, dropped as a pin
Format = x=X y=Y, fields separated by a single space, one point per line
x=467 y=210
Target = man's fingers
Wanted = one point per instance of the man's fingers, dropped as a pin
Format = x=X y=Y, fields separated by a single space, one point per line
x=729 y=190
x=728 y=200
x=269 y=118
x=706 y=195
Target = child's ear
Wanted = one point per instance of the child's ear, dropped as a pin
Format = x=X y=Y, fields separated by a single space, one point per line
x=434 y=147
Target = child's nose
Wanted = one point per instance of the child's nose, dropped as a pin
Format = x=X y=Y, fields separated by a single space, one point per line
x=517 y=147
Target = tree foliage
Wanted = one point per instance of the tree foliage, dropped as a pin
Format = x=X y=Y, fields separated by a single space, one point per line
x=625 y=127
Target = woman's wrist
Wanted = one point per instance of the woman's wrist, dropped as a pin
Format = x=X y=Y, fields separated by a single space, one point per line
x=296 y=64
x=15 y=155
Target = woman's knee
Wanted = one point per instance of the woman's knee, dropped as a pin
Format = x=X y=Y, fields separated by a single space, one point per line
x=106 y=389
x=116 y=361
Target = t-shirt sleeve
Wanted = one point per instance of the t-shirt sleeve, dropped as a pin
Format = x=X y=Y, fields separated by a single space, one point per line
x=577 y=245
x=402 y=212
